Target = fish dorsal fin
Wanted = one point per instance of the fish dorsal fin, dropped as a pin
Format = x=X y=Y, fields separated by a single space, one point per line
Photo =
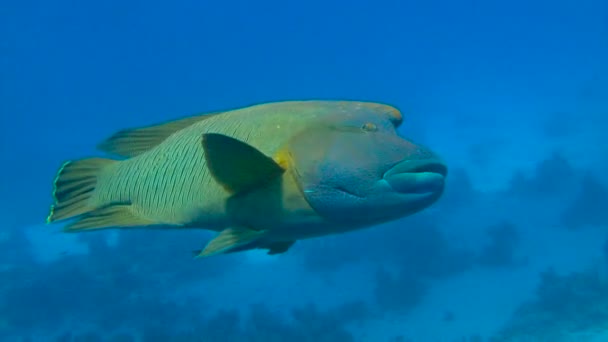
x=231 y=240
x=134 y=141
x=238 y=166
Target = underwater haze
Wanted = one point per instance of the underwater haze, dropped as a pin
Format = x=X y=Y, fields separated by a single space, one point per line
x=513 y=95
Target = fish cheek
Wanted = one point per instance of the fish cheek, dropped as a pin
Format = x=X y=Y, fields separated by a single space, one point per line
x=335 y=204
x=327 y=193
x=332 y=170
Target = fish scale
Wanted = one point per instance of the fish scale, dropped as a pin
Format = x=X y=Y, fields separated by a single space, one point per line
x=263 y=176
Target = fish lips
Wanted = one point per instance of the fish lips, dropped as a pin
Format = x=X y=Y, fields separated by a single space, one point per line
x=420 y=177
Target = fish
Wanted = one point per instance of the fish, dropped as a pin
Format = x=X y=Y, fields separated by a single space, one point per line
x=262 y=176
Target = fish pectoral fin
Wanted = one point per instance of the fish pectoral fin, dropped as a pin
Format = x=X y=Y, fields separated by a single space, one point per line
x=113 y=215
x=236 y=165
x=231 y=240
x=134 y=141
x=278 y=247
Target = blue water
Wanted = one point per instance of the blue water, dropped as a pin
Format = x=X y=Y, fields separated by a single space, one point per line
x=513 y=95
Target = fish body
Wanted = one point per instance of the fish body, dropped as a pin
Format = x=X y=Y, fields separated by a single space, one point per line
x=263 y=176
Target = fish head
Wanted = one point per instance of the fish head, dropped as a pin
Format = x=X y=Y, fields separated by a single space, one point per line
x=354 y=168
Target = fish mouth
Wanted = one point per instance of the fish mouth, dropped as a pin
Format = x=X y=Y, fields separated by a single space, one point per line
x=421 y=177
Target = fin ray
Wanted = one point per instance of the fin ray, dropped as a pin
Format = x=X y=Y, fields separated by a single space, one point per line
x=73 y=186
x=113 y=215
x=236 y=165
x=230 y=239
x=134 y=141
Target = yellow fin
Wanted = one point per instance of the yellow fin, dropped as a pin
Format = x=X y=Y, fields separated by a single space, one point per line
x=73 y=186
x=236 y=165
x=232 y=240
x=134 y=141
x=113 y=215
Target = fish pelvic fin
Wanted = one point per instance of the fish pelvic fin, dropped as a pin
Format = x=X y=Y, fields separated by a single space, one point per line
x=231 y=240
x=73 y=187
x=278 y=247
x=239 y=239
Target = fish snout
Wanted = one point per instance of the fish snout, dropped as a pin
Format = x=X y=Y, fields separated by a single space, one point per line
x=423 y=177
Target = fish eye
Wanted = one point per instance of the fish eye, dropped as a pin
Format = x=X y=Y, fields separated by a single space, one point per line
x=369 y=127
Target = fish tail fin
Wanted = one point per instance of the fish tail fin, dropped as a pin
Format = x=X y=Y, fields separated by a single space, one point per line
x=73 y=187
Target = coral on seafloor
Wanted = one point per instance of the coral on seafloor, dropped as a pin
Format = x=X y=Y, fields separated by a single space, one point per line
x=589 y=206
x=501 y=248
x=552 y=176
x=565 y=306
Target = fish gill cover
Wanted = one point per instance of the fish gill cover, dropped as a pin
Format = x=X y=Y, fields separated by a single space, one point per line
x=513 y=96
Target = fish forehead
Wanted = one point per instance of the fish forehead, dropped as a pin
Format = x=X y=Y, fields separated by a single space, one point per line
x=339 y=109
